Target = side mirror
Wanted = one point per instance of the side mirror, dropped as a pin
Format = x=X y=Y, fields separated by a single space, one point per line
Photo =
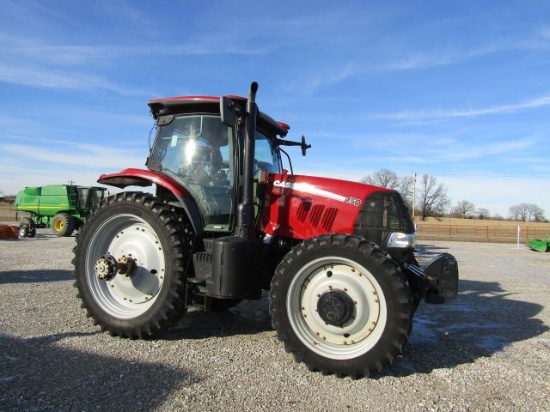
x=228 y=111
x=304 y=146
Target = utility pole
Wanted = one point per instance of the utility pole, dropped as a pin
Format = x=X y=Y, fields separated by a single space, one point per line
x=414 y=195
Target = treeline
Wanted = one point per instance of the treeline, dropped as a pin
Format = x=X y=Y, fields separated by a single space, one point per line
x=427 y=197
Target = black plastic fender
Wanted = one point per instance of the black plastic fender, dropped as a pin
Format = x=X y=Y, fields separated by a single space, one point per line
x=444 y=268
x=440 y=277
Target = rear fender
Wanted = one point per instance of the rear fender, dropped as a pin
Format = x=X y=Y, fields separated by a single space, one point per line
x=145 y=178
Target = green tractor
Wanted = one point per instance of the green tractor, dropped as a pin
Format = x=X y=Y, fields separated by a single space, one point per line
x=61 y=207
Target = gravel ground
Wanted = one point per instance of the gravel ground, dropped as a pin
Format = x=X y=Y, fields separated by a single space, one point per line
x=489 y=350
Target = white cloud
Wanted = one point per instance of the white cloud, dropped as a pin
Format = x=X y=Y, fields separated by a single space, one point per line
x=45 y=77
x=321 y=79
x=72 y=154
x=426 y=115
x=420 y=61
x=458 y=53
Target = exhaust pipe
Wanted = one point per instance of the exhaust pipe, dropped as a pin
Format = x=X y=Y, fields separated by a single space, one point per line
x=245 y=213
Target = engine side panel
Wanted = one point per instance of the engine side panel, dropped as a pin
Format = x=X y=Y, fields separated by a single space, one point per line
x=302 y=207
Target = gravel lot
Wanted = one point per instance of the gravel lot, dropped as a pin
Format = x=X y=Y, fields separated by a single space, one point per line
x=489 y=350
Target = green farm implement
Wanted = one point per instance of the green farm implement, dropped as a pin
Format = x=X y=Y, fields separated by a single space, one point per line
x=61 y=207
x=540 y=245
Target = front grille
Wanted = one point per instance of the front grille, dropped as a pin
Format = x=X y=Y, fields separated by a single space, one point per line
x=383 y=213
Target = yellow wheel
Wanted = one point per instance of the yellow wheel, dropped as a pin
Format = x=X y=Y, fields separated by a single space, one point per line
x=59 y=225
x=62 y=224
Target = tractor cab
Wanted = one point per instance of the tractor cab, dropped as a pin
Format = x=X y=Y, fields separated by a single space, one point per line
x=197 y=151
x=194 y=147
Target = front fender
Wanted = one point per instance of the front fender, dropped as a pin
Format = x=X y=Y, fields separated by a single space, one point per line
x=145 y=178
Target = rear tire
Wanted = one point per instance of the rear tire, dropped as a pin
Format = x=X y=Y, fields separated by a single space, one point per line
x=341 y=306
x=63 y=224
x=151 y=298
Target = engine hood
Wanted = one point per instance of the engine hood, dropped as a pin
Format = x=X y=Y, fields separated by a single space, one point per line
x=301 y=206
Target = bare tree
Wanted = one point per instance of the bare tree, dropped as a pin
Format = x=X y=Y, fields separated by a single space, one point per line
x=432 y=197
x=483 y=213
x=389 y=179
x=539 y=215
x=406 y=189
x=383 y=178
x=465 y=208
x=526 y=212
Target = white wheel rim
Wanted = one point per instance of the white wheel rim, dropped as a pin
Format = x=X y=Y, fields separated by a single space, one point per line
x=359 y=333
x=126 y=297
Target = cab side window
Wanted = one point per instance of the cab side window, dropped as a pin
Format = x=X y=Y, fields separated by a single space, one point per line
x=266 y=156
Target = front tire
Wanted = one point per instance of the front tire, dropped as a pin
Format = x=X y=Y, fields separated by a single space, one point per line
x=150 y=297
x=26 y=228
x=22 y=231
x=341 y=306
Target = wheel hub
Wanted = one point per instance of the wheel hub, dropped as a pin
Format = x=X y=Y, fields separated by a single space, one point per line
x=126 y=266
x=335 y=307
x=107 y=267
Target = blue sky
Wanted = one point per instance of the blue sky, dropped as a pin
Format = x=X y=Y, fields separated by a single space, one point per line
x=456 y=89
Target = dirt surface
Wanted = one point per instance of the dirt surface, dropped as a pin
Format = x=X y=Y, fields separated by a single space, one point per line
x=489 y=350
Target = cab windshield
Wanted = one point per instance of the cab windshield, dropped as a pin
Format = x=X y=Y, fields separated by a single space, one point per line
x=197 y=150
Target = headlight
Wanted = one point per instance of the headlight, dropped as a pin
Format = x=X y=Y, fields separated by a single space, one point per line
x=401 y=240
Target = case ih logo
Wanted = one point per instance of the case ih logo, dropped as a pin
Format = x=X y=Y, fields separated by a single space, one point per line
x=313 y=190
x=281 y=183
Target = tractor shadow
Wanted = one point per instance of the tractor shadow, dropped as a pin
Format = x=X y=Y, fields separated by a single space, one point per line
x=247 y=318
x=483 y=321
x=40 y=374
x=35 y=276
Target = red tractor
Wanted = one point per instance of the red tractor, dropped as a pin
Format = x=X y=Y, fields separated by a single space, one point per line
x=228 y=221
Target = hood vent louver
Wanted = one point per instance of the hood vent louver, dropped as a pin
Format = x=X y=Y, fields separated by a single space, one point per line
x=316 y=215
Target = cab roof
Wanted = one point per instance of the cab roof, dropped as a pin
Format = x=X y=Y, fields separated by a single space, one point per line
x=207 y=104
